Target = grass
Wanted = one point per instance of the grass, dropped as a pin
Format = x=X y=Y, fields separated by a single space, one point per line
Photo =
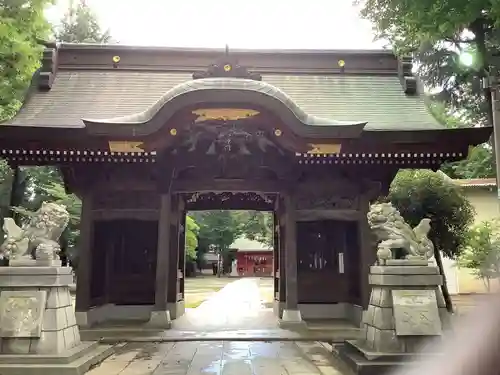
x=199 y=289
x=193 y=304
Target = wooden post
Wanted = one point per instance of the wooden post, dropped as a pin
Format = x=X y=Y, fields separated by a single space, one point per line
x=367 y=253
x=162 y=263
x=182 y=247
x=84 y=269
x=291 y=292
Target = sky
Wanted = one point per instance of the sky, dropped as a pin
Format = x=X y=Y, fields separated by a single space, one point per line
x=292 y=24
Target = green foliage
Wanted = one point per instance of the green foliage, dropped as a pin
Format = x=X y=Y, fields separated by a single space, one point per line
x=218 y=228
x=479 y=164
x=192 y=230
x=80 y=25
x=22 y=25
x=482 y=251
x=422 y=194
x=5 y=187
x=410 y=24
x=438 y=33
x=256 y=225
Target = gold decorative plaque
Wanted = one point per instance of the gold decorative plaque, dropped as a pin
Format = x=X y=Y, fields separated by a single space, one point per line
x=125 y=146
x=327 y=148
x=223 y=114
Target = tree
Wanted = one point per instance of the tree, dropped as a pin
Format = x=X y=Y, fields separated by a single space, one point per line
x=439 y=34
x=482 y=251
x=256 y=225
x=80 y=25
x=5 y=193
x=218 y=230
x=419 y=194
x=479 y=164
x=50 y=190
x=422 y=194
x=192 y=230
x=22 y=25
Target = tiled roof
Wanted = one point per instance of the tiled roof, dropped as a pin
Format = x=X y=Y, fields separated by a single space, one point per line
x=245 y=244
x=100 y=94
x=477 y=182
x=474 y=182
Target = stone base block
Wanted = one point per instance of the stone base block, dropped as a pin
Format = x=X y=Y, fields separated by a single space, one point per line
x=39 y=298
x=292 y=319
x=176 y=309
x=160 y=319
x=278 y=308
x=363 y=361
x=111 y=312
x=75 y=361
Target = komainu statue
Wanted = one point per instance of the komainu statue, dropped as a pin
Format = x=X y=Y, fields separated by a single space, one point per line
x=395 y=236
x=40 y=234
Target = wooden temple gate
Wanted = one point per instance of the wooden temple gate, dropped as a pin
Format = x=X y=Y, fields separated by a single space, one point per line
x=224 y=138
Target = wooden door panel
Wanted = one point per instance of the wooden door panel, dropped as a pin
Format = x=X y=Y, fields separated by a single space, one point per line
x=133 y=275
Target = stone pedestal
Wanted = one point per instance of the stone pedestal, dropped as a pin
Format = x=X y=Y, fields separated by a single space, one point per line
x=38 y=325
x=292 y=319
x=406 y=310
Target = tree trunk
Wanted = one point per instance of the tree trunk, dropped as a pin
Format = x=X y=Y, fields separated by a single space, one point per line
x=444 y=287
x=16 y=194
x=218 y=264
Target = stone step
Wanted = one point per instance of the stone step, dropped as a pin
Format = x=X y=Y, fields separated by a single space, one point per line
x=359 y=365
x=78 y=366
x=63 y=358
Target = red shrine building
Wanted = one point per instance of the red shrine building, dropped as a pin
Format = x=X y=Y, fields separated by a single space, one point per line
x=253 y=258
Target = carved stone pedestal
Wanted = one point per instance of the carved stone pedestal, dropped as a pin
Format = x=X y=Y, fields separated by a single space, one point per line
x=406 y=310
x=37 y=324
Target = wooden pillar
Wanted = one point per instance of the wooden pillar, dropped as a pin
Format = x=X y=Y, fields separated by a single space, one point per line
x=162 y=264
x=291 y=292
x=84 y=261
x=282 y=256
x=276 y=256
x=367 y=253
x=182 y=249
x=175 y=302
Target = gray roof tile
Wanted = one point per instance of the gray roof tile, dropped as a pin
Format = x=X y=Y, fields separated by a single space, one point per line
x=92 y=94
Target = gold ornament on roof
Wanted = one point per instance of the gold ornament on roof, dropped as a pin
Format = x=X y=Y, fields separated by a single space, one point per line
x=116 y=59
x=341 y=63
x=278 y=132
x=173 y=131
x=223 y=114
x=330 y=148
x=126 y=146
x=227 y=68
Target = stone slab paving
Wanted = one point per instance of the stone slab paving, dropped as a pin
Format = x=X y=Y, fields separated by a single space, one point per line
x=220 y=358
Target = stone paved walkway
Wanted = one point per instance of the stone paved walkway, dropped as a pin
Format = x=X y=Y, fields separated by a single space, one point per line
x=239 y=305
x=220 y=358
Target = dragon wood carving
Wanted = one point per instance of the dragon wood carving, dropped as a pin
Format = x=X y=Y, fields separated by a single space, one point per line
x=224 y=138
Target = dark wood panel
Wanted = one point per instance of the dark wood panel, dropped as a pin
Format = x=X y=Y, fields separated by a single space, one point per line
x=132 y=268
x=322 y=287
